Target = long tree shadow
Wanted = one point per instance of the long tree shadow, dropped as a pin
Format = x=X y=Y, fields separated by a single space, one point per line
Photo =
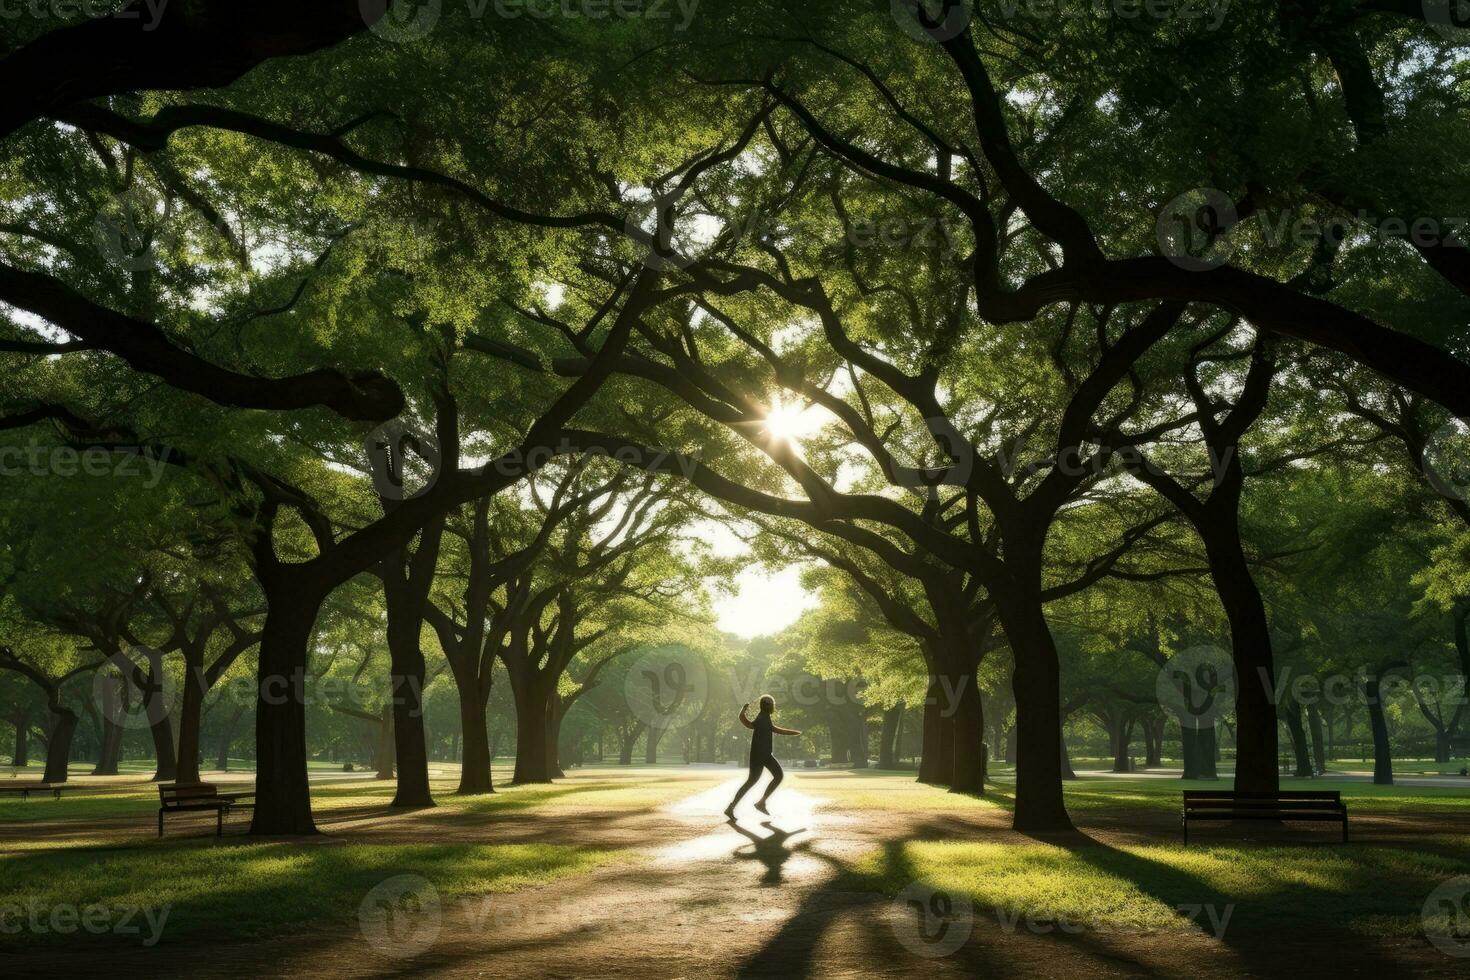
x=1260 y=937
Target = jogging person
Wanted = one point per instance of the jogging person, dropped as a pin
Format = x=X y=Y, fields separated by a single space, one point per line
x=760 y=753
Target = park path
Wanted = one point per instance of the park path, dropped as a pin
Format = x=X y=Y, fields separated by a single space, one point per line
x=689 y=895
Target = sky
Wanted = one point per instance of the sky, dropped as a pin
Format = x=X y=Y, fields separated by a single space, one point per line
x=767 y=602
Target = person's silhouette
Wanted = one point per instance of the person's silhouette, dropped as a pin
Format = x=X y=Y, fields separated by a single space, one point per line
x=761 y=756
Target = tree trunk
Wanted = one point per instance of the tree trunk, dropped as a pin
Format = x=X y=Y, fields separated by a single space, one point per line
x=474 y=772
x=282 y=790
x=968 y=739
x=405 y=610
x=1291 y=714
x=1067 y=771
x=1314 y=725
x=630 y=739
x=888 y=737
x=1256 y=763
x=1382 y=758
x=58 y=746
x=190 y=715
x=160 y=721
x=114 y=704
x=227 y=738
x=532 y=755
x=1037 y=686
x=650 y=746
x=383 y=744
x=1153 y=742
x=554 y=715
x=1120 y=736
x=932 y=766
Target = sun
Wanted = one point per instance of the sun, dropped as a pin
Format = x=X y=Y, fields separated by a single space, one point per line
x=787 y=422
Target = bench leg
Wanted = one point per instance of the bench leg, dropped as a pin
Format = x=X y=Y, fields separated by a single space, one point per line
x=219 y=823
x=160 y=823
x=1344 y=830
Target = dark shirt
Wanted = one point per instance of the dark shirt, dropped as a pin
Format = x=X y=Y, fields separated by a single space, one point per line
x=760 y=739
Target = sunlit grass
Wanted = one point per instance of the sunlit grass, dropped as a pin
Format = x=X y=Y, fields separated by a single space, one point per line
x=1376 y=891
x=253 y=890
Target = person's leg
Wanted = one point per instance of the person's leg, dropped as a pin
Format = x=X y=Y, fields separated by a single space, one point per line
x=774 y=768
x=755 y=773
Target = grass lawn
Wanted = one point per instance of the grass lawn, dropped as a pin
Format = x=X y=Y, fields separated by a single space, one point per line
x=1368 y=891
x=249 y=890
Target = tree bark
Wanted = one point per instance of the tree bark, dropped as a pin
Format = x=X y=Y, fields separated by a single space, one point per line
x=532 y=755
x=968 y=739
x=474 y=774
x=1256 y=762
x=58 y=746
x=1036 y=682
x=227 y=738
x=650 y=745
x=1314 y=725
x=888 y=737
x=282 y=789
x=1382 y=756
x=630 y=739
x=190 y=715
x=932 y=768
x=1291 y=714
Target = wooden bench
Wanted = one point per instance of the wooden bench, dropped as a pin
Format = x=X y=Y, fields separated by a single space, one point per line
x=1211 y=804
x=199 y=796
x=26 y=789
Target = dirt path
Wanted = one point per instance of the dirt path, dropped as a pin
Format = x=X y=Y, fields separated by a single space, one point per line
x=691 y=895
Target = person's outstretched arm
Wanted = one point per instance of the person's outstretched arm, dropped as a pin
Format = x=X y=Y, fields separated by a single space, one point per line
x=784 y=731
x=744 y=720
